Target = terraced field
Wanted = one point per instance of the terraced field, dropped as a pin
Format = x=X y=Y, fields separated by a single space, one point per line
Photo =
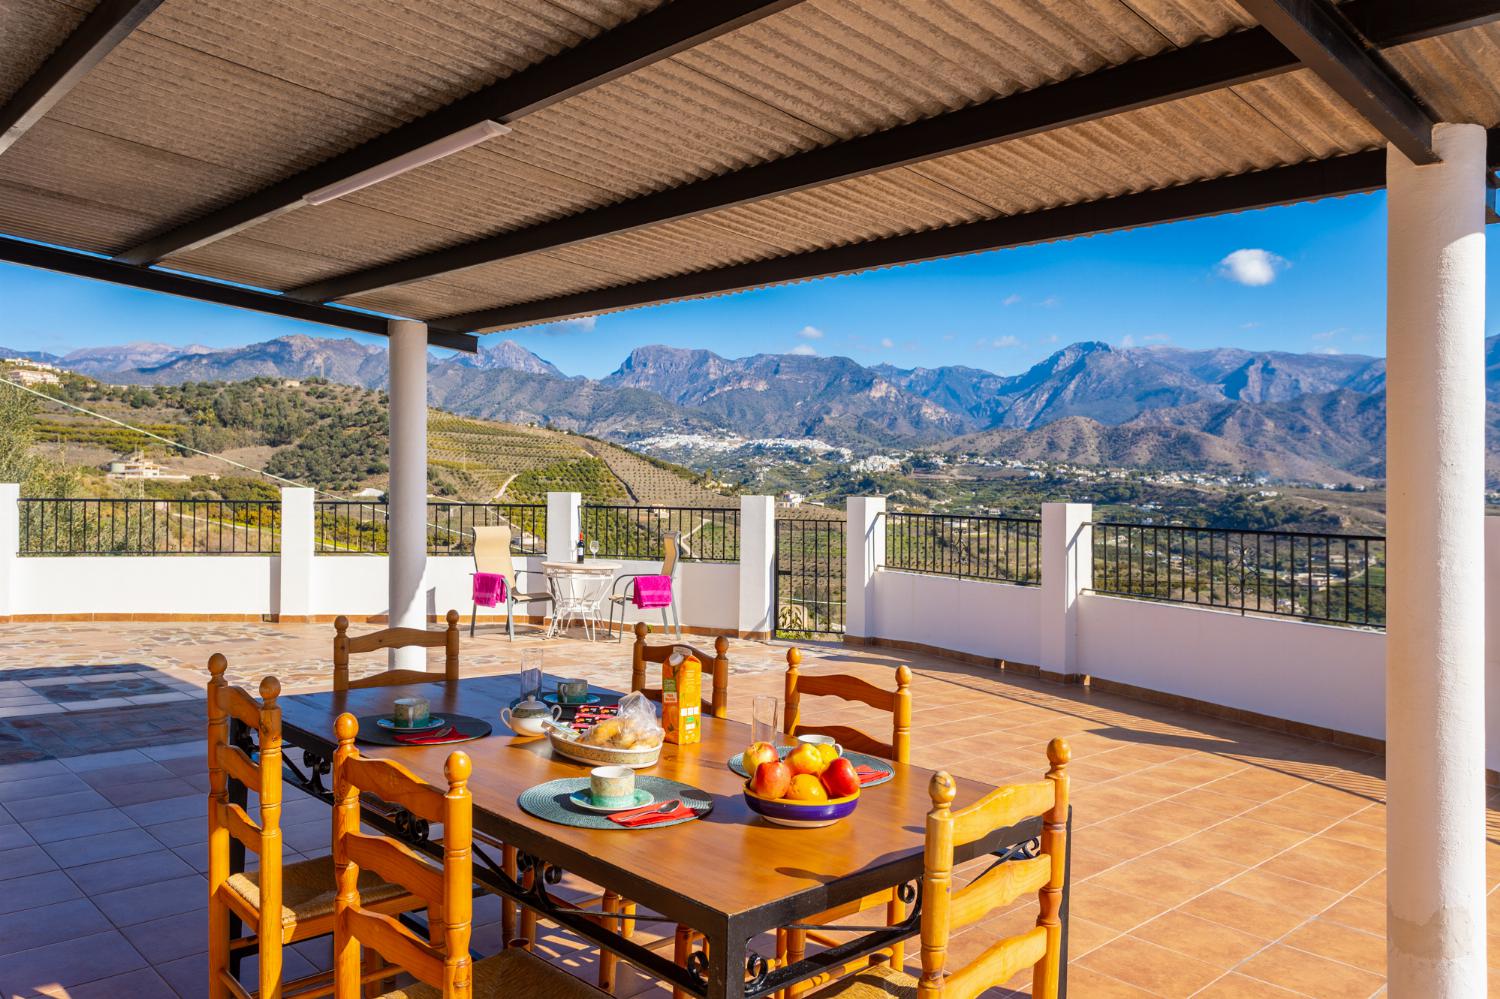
x=652 y=483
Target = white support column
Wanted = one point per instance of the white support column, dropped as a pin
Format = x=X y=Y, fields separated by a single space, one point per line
x=1067 y=570
x=864 y=553
x=407 y=530
x=1435 y=815
x=757 y=612
x=564 y=523
x=295 y=564
x=10 y=545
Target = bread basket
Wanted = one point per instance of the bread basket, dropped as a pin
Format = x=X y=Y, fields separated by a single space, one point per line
x=565 y=743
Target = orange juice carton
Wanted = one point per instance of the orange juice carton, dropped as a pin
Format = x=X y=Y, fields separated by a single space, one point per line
x=682 y=697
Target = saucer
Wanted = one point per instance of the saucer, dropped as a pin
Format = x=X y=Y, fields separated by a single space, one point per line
x=551 y=697
x=431 y=723
x=585 y=800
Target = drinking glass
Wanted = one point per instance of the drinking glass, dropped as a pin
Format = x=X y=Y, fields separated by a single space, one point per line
x=765 y=716
x=594 y=547
x=531 y=673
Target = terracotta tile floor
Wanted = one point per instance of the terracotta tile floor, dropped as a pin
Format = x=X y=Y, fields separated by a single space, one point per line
x=1210 y=859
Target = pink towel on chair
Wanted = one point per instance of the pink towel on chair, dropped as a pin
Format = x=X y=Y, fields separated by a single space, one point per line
x=489 y=589
x=653 y=591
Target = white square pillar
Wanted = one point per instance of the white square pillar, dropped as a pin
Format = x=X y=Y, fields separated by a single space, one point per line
x=564 y=525
x=864 y=553
x=1435 y=781
x=10 y=545
x=1067 y=561
x=295 y=565
x=757 y=612
x=407 y=513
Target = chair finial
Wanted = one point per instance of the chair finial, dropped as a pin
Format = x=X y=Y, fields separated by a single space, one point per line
x=457 y=768
x=341 y=624
x=270 y=689
x=346 y=728
x=793 y=656
x=1059 y=753
x=942 y=789
x=217 y=664
x=721 y=645
x=642 y=629
x=451 y=617
x=903 y=675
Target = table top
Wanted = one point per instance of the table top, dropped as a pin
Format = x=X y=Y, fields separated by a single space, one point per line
x=583 y=567
x=731 y=864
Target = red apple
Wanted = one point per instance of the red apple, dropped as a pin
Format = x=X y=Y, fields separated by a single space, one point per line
x=758 y=753
x=772 y=780
x=840 y=779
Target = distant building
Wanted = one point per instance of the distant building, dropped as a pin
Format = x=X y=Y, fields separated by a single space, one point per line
x=25 y=371
x=138 y=466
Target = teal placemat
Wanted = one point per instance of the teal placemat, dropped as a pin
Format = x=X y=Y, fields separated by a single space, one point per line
x=550 y=801
x=737 y=764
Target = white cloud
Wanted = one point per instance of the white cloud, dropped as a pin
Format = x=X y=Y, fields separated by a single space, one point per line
x=1127 y=341
x=1004 y=342
x=1156 y=338
x=1327 y=335
x=887 y=342
x=1050 y=338
x=1011 y=299
x=1249 y=326
x=1254 y=268
x=1050 y=302
x=583 y=324
x=810 y=333
x=804 y=350
x=1328 y=350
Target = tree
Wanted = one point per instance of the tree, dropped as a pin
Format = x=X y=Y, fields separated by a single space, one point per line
x=19 y=461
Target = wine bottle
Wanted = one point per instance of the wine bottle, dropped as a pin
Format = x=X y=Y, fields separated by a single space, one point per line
x=580 y=547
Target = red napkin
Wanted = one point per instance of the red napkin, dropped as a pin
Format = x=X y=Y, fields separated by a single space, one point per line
x=649 y=816
x=449 y=734
x=867 y=774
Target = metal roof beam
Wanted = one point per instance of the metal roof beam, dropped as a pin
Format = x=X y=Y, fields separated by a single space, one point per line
x=1354 y=173
x=1172 y=75
x=650 y=38
x=1328 y=44
x=106 y=26
x=17 y=251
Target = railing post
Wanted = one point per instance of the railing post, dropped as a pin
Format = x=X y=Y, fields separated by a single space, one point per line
x=295 y=566
x=864 y=551
x=1067 y=570
x=564 y=522
x=10 y=545
x=757 y=614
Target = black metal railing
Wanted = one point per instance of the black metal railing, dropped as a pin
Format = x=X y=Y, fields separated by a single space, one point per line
x=149 y=527
x=450 y=526
x=705 y=534
x=359 y=527
x=810 y=576
x=349 y=527
x=1336 y=578
x=999 y=549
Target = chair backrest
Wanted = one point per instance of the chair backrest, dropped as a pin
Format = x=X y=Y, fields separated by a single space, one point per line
x=393 y=638
x=444 y=963
x=671 y=544
x=492 y=552
x=852 y=688
x=226 y=819
x=717 y=703
x=945 y=910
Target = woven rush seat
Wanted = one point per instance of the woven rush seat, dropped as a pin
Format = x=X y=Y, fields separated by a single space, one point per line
x=308 y=890
x=879 y=981
x=512 y=973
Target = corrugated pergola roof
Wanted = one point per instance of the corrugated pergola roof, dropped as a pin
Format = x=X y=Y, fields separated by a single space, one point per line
x=667 y=150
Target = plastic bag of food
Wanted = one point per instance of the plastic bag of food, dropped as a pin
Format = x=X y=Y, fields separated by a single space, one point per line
x=635 y=726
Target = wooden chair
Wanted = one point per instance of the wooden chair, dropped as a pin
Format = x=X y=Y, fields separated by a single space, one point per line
x=945 y=910
x=671 y=553
x=492 y=554
x=284 y=903
x=792 y=944
x=444 y=964
x=393 y=638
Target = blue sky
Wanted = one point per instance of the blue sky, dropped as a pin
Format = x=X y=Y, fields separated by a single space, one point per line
x=1318 y=284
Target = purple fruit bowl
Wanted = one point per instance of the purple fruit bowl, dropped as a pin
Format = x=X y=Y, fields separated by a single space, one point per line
x=800 y=814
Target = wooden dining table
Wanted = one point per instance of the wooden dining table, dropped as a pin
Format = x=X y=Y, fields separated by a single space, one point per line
x=730 y=875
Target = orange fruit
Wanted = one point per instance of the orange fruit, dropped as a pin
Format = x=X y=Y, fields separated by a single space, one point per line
x=807 y=787
x=828 y=752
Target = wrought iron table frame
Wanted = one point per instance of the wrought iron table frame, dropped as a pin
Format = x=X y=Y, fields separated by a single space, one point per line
x=728 y=969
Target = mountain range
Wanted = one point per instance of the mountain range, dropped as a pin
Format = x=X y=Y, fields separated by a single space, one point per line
x=1314 y=417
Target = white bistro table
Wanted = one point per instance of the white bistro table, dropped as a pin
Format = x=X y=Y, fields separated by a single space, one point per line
x=579 y=589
